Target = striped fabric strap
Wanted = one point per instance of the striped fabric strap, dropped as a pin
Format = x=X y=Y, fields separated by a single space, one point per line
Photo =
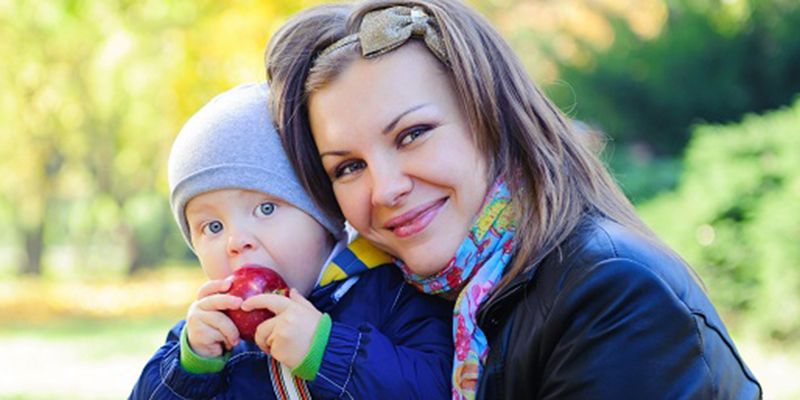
x=359 y=256
x=286 y=385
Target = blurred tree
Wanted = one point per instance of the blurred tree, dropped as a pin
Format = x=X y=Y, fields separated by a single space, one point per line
x=549 y=36
x=83 y=113
x=738 y=222
x=713 y=61
x=133 y=115
x=546 y=34
x=644 y=72
x=32 y=146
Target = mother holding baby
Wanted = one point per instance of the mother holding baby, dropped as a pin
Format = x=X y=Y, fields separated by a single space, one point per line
x=417 y=121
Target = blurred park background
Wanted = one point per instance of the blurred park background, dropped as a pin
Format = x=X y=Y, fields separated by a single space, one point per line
x=697 y=102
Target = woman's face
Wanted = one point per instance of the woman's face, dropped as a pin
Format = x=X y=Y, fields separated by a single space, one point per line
x=398 y=149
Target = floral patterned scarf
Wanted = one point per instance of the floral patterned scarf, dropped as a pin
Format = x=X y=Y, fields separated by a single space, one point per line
x=471 y=274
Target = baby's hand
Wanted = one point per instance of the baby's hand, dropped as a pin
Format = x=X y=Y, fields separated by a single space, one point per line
x=207 y=327
x=288 y=335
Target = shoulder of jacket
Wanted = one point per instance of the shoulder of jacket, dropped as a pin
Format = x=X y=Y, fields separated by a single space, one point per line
x=598 y=241
x=383 y=286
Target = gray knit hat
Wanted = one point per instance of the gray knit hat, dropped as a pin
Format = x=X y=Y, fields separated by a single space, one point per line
x=231 y=143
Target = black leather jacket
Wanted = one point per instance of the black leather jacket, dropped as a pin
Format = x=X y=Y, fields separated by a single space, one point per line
x=609 y=315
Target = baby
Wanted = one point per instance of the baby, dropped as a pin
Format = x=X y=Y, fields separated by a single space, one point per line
x=350 y=327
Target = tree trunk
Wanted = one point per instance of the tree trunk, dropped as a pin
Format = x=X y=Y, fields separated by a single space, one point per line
x=34 y=247
x=132 y=245
x=136 y=263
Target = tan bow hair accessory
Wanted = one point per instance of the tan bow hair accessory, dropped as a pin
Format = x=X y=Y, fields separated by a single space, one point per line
x=384 y=30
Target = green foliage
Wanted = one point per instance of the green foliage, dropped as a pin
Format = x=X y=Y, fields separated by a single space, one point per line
x=81 y=114
x=641 y=175
x=714 y=61
x=735 y=217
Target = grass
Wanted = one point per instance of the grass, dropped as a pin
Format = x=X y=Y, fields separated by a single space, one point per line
x=77 y=358
x=776 y=365
x=86 y=340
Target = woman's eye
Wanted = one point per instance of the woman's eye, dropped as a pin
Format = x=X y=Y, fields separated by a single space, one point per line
x=410 y=135
x=212 y=228
x=265 y=209
x=349 y=168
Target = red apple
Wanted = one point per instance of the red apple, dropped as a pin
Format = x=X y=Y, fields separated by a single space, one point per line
x=248 y=281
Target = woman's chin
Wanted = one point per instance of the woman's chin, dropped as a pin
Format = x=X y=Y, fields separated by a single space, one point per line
x=424 y=265
x=430 y=257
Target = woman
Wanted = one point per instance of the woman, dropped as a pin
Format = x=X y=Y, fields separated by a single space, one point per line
x=418 y=122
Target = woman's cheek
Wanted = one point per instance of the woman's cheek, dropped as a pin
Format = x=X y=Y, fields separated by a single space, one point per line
x=353 y=202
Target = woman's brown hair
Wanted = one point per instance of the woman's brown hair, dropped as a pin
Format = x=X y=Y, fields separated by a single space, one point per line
x=556 y=178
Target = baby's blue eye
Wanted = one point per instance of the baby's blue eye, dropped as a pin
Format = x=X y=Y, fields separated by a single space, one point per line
x=266 y=209
x=213 y=227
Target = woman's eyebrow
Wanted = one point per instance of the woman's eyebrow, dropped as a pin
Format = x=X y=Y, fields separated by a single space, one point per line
x=339 y=153
x=386 y=130
x=394 y=122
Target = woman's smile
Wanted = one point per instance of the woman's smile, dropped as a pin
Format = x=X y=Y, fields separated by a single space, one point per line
x=415 y=220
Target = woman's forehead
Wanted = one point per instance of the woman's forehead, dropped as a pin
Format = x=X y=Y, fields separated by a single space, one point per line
x=376 y=91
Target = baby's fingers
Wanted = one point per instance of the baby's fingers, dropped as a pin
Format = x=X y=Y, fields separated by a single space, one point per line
x=219 y=302
x=224 y=326
x=205 y=340
x=299 y=299
x=273 y=302
x=213 y=287
x=264 y=333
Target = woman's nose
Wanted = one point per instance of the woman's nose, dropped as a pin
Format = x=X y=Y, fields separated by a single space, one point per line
x=390 y=185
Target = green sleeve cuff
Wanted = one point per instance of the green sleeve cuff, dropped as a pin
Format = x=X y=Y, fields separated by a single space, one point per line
x=309 y=367
x=197 y=364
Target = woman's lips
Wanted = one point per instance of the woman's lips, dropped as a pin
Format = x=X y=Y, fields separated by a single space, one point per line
x=416 y=220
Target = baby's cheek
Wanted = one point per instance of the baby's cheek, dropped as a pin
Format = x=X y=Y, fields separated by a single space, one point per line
x=304 y=281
